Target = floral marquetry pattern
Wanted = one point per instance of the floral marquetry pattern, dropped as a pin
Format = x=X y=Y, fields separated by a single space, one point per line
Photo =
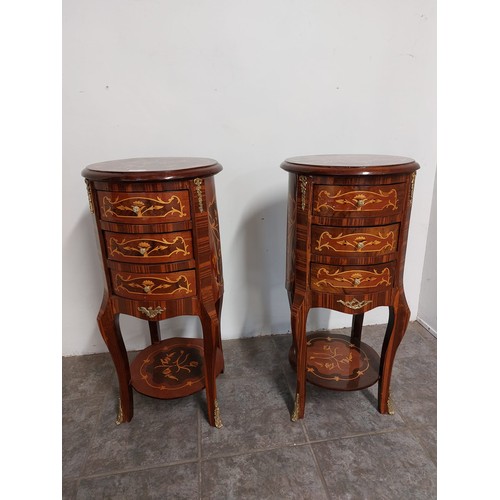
x=154 y=285
x=357 y=242
x=173 y=368
x=357 y=201
x=148 y=247
x=335 y=359
x=138 y=207
x=358 y=278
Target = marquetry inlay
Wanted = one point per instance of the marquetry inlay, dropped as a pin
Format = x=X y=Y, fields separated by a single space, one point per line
x=148 y=247
x=173 y=367
x=141 y=206
x=358 y=278
x=357 y=201
x=357 y=242
x=153 y=285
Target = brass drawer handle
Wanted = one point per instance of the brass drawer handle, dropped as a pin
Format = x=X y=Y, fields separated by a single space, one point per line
x=355 y=303
x=150 y=312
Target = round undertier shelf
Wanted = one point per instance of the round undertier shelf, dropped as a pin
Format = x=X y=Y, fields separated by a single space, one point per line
x=333 y=362
x=172 y=368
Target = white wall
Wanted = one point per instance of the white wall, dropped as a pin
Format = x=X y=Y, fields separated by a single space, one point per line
x=248 y=83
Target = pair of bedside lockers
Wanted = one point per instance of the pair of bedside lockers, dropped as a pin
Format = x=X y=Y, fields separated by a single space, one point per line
x=158 y=231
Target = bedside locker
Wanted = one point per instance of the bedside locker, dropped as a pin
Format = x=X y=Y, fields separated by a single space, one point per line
x=158 y=232
x=348 y=218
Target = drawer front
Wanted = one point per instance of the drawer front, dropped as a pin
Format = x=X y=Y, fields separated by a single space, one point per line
x=350 y=279
x=144 y=208
x=349 y=201
x=154 y=286
x=345 y=241
x=143 y=248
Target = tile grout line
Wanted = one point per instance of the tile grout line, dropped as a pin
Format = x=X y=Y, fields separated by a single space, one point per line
x=361 y=434
x=117 y=472
x=252 y=451
x=320 y=472
x=315 y=458
x=304 y=430
x=424 y=446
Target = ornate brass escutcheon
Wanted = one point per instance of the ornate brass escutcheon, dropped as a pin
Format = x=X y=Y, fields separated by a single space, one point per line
x=355 y=303
x=150 y=312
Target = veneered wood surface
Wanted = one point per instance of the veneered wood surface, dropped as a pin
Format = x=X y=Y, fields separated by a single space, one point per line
x=152 y=169
x=354 y=164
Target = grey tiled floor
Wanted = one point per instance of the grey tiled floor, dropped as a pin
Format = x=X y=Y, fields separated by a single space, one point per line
x=342 y=449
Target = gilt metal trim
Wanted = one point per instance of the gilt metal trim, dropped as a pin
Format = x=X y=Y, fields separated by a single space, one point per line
x=119 y=418
x=295 y=413
x=355 y=303
x=89 y=194
x=390 y=405
x=412 y=186
x=150 y=312
x=303 y=190
x=218 y=420
x=198 y=182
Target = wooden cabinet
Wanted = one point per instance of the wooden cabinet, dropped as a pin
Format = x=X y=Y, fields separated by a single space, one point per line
x=348 y=218
x=158 y=230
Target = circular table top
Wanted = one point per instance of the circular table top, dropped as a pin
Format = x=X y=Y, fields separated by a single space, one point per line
x=355 y=164
x=152 y=169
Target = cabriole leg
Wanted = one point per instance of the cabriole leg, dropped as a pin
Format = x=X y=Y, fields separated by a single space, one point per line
x=109 y=327
x=211 y=334
x=399 y=316
x=298 y=321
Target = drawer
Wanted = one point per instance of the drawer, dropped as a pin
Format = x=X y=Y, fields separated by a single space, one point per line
x=155 y=285
x=144 y=208
x=349 y=279
x=359 y=201
x=144 y=248
x=345 y=241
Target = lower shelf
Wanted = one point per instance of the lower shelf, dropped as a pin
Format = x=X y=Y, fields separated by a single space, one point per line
x=172 y=368
x=334 y=363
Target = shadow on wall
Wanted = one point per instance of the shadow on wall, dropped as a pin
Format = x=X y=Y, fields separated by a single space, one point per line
x=263 y=239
